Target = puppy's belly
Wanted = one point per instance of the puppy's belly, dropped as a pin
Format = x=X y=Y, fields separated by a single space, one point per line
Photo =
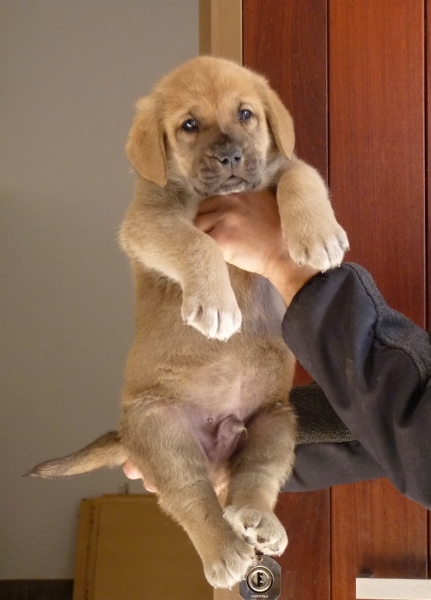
x=219 y=440
x=218 y=436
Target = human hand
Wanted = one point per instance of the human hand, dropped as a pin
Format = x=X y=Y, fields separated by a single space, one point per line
x=246 y=227
x=248 y=230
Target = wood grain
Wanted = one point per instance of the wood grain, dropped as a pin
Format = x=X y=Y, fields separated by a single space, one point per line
x=81 y=578
x=377 y=178
x=131 y=550
x=305 y=563
x=287 y=42
x=375 y=531
x=428 y=142
x=377 y=132
x=220 y=28
x=428 y=211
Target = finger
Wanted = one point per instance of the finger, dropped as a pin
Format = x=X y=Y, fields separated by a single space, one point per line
x=210 y=204
x=207 y=221
x=221 y=204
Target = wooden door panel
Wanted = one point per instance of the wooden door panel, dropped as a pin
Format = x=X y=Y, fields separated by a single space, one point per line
x=428 y=203
x=287 y=42
x=377 y=178
x=375 y=532
x=305 y=563
x=428 y=139
x=376 y=105
x=377 y=153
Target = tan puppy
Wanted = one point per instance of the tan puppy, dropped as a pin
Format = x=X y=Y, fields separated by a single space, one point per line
x=204 y=408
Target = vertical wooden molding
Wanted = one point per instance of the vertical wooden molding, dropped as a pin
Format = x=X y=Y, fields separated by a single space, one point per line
x=220 y=28
x=428 y=196
x=428 y=161
x=82 y=550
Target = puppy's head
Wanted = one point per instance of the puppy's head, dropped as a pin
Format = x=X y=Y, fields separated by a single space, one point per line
x=211 y=124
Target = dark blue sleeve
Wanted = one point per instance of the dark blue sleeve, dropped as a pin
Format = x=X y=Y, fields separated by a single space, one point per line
x=374 y=367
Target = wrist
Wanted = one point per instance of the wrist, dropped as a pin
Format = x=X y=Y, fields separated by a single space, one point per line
x=288 y=277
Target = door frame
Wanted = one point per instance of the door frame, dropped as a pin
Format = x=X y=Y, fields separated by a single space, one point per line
x=220 y=29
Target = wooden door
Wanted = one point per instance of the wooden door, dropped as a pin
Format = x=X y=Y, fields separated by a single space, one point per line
x=352 y=73
x=376 y=98
x=275 y=44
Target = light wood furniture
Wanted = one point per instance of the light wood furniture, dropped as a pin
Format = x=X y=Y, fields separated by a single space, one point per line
x=369 y=588
x=129 y=550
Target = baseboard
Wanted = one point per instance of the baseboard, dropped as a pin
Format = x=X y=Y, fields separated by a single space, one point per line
x=36 y=589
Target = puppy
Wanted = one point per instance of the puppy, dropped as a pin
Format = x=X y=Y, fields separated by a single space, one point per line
x=206 y=406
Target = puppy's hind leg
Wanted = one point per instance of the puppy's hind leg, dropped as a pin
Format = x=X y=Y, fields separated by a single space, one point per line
x=161 y=445
x=258 y=469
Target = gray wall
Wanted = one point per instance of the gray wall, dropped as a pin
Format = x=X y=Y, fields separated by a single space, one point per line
x=71 y=71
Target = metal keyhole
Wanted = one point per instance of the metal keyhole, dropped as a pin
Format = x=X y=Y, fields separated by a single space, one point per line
x=263 y=580
x=259 y=579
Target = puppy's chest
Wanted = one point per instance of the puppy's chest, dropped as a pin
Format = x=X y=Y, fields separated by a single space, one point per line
x=261 y=305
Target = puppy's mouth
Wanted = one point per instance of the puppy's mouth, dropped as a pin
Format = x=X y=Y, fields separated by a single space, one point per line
x=231 y=185
x=234 y=184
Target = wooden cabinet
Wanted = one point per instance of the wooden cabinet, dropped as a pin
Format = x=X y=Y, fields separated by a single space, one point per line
x=129 y=550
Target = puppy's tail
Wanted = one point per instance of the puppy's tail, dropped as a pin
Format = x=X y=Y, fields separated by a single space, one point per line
x=105 y=451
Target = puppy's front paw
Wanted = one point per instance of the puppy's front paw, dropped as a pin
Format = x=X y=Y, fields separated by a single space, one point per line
x=228 y=567
x=214 y=315
x=321 y=246
x=262 y=529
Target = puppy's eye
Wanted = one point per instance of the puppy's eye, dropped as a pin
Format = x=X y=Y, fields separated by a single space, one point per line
x=191 y=126
x=244 y=114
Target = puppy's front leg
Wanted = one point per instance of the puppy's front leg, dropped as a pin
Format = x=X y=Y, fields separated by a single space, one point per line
x=258 y=469
x=163 y=238
x=162 y=447
x=313 y=234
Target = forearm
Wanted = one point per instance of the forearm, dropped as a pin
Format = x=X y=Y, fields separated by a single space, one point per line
x=373 y=365
x=288 y=277
x=324 y=464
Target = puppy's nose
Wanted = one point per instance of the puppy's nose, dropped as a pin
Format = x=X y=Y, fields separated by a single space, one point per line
x=229 y=156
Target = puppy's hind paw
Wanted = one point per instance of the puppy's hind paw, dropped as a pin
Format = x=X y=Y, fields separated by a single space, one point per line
x=260 y=528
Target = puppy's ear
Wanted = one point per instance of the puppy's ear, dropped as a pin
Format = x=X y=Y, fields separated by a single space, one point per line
x=145 y=147
x=280 y=122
